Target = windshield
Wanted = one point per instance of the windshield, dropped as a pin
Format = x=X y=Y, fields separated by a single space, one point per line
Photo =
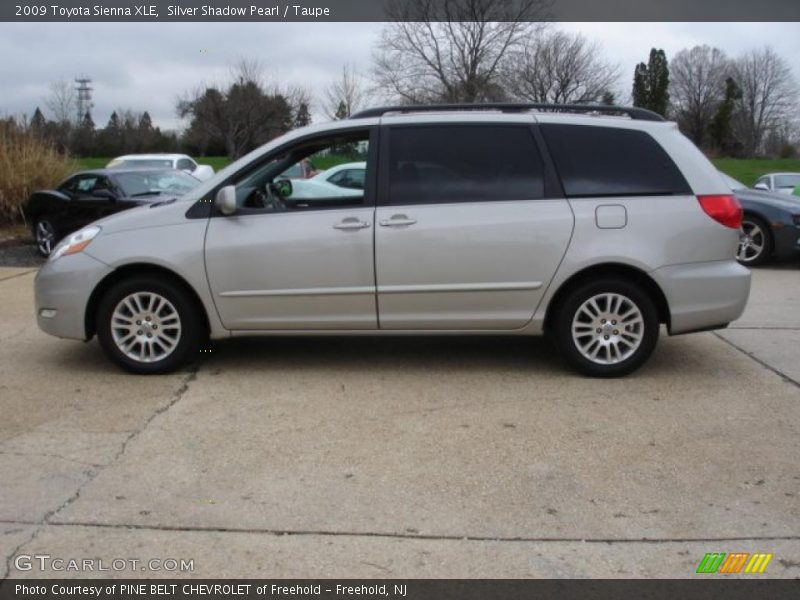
x=787 y=181
x=153 y=183
x=733 y=183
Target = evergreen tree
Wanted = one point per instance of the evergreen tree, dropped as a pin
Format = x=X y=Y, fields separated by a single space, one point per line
x=341 y=111
x=651 y=83
x=38 y=122
x=145 y=122
x=303 y=116
x=719 y=130
x=83 y=138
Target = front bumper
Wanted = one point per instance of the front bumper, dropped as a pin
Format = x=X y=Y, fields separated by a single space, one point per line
x=705 y=295
x=786 y=241
x=62 y=291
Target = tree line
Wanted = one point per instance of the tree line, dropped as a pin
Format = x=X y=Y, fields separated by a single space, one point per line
x=471 y=51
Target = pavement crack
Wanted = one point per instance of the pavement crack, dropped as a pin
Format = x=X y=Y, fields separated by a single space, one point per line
x=58 y=456
x=14 y=551
x=19 y=274
x=92 y=474
x=764 y=364
x=409 y=536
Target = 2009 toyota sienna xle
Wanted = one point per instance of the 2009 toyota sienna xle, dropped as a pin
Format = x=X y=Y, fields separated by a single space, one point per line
x=593 y=225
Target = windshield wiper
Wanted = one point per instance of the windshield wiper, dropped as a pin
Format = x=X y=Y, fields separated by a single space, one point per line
x=147 y=193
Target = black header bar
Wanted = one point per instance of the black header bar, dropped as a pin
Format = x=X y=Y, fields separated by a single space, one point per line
x=276 y=11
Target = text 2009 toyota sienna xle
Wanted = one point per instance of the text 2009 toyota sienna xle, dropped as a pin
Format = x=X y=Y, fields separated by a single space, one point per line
x=507 y=219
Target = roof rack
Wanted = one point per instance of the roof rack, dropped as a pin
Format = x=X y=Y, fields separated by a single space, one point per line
x=638 y=114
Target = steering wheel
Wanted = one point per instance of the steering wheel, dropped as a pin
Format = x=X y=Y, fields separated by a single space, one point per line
x=268 y=198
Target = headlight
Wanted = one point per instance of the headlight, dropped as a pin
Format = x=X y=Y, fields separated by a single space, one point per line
x=75 y=242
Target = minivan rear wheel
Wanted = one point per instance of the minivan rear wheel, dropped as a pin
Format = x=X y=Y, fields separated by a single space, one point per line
x=148 y=325
x=606 y=328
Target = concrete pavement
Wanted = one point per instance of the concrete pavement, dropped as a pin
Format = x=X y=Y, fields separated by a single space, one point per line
x=413 y=457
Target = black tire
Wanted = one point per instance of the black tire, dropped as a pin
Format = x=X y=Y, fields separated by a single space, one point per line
x=45 y=223
x=568 y=346
x=192 y=330
x=766 y=250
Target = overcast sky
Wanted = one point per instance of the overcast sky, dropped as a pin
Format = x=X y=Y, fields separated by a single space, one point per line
x=147 y=66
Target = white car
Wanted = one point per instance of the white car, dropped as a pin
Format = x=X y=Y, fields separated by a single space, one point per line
x=342 y=180
x=783 y=183
x=181 y=162
x=347 y=175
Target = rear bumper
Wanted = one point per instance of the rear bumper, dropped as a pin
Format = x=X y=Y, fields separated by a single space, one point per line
x=62 y=291
x=704 y=296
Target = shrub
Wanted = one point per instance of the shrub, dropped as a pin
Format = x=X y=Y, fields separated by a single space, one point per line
x=787 y=151
x=27 y=163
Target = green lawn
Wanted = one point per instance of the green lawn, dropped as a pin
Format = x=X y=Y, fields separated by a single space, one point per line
x=745 y=170
x=748 y=170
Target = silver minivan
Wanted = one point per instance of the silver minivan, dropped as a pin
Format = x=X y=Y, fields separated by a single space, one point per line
x=593 y=225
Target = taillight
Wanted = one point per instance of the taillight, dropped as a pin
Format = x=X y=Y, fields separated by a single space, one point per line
x=723 y=208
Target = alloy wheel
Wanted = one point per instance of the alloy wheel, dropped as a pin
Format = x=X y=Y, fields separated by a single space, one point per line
x=752 y=242
x=608 y=328
x=45 y=236
x=146 y=327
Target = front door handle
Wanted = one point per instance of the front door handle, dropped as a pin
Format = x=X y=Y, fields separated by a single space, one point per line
x=397 y=221
x=351 y=223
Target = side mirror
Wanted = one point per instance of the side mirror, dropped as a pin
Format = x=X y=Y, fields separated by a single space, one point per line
x=226 y=200
x=284 y=187
x=761 y=186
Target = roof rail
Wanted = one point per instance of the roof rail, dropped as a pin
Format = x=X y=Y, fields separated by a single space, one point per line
x=638 y=114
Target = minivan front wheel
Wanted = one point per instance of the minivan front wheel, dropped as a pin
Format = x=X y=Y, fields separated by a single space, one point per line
x=607 y=328
x=148 y=325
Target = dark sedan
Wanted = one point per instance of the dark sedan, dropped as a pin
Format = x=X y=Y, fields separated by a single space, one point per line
x=90 y=195
x=770 y=224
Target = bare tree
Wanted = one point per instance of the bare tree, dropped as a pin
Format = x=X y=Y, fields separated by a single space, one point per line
x=560 y=68
x=62 y=101
x=697 y=87
x=345 y=95
x=450 y=50
x=769 y=96
x=240 y=116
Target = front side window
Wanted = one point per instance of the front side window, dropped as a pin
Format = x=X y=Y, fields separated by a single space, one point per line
x=611 y=161
x=463 y=163
x=86 y=184
x=285 y=183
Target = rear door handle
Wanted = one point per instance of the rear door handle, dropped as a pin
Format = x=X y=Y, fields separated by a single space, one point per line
x=351 y=223
x=397 y=221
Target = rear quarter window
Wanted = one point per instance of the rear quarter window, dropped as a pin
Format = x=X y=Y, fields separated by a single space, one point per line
x=609 y=161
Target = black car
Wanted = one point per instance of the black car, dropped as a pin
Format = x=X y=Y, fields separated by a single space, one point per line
x=90 y=195
x=770 y=224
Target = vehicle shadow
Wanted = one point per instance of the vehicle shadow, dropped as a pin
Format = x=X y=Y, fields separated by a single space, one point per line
x=510 y=355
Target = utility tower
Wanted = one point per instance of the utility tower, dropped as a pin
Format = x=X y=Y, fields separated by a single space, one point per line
x=84 y=89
